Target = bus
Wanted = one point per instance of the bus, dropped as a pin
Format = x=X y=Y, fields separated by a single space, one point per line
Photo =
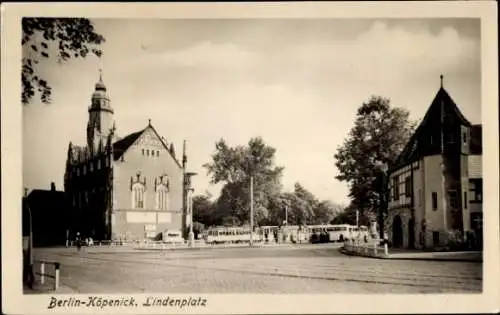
x=340 y=232
x=224 y=235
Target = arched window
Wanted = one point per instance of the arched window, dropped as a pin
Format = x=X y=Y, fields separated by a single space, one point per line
x=138 y=196
x=162 y=197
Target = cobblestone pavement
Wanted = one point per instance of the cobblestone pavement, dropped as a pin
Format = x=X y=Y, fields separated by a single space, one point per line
x=291 y=269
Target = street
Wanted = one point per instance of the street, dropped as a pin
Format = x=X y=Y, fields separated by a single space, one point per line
x=278 y=269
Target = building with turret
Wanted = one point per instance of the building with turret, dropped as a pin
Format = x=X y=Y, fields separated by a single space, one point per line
x=129 y=188
x=435 y=185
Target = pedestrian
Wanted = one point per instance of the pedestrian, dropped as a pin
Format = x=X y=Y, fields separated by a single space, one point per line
x=78 y=240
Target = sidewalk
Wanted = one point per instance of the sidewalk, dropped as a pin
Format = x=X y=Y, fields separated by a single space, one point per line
x=47 y=288
x=473 y=256
x=402 y=254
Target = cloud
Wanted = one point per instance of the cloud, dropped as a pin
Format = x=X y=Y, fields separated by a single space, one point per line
x=299 y=95
x=202 y=55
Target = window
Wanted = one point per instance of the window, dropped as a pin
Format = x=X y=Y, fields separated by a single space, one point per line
x=142 y=151
x=138 y=196
x=465 y=137
x=147 y=152
x=408 y=186
x=99 y=164
x=91 y=166
x=162 y=197
x=157 y=153
x=84 y=169
x=476 y=190
x=453 y=199
x=395 y=187
x=78 y=171
x=434 y=200
x=465 y=200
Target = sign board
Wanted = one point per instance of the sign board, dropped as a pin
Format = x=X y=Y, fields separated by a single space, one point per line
x=150 y=227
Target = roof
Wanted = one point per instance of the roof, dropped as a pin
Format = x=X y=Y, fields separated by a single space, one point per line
x=122 y=145
x=442 y=107
x=45 y=199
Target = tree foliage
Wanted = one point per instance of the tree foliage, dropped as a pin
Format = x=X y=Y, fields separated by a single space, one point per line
x=234 y=166
x=63 y=38
x=379 y=134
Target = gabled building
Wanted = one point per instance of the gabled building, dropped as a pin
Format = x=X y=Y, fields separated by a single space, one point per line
x=131 y=188
x=435 y=185
x=49 y=214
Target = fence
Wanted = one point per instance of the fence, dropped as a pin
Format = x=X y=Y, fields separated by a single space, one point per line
x=43 y=274
x=370 y=249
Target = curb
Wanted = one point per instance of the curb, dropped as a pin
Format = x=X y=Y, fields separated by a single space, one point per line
x=347 y=253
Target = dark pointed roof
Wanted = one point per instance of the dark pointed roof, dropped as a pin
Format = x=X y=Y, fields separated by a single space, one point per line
x=442 y=108
x=120 y=146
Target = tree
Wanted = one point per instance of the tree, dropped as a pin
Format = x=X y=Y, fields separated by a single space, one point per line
x=203 y=210
x=234 y=166
x=379 y=134
x=326 y=211
x=304 y=204
x=66 y=37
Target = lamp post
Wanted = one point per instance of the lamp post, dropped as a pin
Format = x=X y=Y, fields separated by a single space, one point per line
x=189 y=198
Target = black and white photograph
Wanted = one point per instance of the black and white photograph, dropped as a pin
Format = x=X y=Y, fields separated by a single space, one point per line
x=168 y=162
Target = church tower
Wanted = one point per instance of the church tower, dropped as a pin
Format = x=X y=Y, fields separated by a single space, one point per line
x=101 y=124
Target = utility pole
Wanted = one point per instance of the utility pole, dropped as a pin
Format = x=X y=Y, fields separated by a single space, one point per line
x=357 y=218
x=189 y=201
x=251 y=210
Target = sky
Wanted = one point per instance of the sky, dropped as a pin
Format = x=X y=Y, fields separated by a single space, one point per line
x=297 y=83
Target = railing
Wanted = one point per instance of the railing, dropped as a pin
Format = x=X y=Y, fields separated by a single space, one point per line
x=372 y=248
x=43 y=272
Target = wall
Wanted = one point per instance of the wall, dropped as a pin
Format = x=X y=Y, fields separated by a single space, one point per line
x=129 y=222
x=433 y=183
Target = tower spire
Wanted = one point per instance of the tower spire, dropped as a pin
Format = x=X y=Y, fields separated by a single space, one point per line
x=100 y=74
x=441 y=77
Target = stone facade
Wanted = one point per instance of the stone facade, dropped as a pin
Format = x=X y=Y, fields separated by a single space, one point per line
x=130 y=188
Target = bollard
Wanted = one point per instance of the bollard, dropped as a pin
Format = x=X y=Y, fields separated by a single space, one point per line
x=386 y=249
x=56 y=282
x=42 y=273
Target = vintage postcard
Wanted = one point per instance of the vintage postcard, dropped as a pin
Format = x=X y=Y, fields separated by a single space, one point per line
x=244 y=158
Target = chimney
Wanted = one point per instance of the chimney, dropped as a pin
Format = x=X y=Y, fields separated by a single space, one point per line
x=52 y=186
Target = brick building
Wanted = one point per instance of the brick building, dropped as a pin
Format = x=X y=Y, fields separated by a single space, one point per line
x=435 y=185
x=129 y=188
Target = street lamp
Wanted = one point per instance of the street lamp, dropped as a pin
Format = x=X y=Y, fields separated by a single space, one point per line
x=382 y=188
x=190 y=192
